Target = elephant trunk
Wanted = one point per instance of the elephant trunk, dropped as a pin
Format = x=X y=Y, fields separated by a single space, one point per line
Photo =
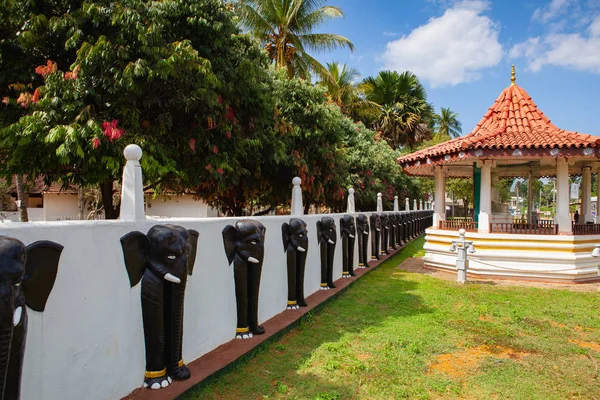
x=351 y=256
x=300 y=270
x=254 y=275
x=330 y=255
x=292 y=266
x=345 y=268
x=374 y=244
x=173 y=315
x=323 y=249
x=13 y=328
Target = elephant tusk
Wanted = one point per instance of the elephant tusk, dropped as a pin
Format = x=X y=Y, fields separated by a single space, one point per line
x=351 y=236
x=172 y=278
x=17 y=316
x=301 y=249
x=378 y=230
x=365 y=233
x=330 y=241
x=253 y=260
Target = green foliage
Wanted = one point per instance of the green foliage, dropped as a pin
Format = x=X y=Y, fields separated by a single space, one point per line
x=447 y=124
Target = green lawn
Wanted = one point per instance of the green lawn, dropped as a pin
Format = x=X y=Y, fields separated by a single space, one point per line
x=405 y=335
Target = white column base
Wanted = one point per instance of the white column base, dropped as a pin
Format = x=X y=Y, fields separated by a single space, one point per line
x=437 y=217
x=483 y=226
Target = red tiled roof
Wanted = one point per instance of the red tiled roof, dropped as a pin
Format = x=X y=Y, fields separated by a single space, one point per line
x=513 y=121
x=38 y=186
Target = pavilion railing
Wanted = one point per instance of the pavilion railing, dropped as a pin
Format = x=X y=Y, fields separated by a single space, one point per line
x=455 y=225
x=586 y=229
x=541 y=228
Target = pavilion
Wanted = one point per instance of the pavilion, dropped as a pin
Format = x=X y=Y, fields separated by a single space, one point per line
x=514 y=139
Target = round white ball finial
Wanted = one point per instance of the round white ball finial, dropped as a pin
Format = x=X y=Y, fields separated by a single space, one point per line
x=351 y=190
x=395 y=197
x=296 y=181
x=379 y=195
x=132 y=152
x=461 y=232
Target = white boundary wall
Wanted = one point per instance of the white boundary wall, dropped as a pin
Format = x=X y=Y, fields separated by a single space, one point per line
x=89 y=344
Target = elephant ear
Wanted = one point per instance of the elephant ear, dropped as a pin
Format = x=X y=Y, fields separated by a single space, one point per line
x=285 y=235
x=193 y=243
x=319 y=228
x=229 y=241
x=40 y=272
x=135 y=248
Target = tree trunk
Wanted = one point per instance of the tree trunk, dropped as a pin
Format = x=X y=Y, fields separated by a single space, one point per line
x=23 y=197
x=80 y=203
x=106 y=190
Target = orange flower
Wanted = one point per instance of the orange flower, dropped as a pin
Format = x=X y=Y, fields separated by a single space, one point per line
x=36 y=95
x=45 y=70
x=24 y=99
x=192 y=144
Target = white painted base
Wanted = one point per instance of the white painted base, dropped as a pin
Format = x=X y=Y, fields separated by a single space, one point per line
x=557 y=258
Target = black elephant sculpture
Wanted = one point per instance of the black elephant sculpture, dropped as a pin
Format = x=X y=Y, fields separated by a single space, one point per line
x=398 y=217
x=162 y=260
x=28 y=275
x=348 y=235
x=385 y=233
x=375 y=235
x=327 y=235
x=245 y=248
x=393 y=243
x=362 y=235
x=295 y=244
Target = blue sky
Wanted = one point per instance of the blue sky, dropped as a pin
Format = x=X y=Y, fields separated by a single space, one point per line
x=463 y=50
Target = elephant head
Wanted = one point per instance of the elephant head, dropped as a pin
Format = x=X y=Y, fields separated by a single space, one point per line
x=295 y=243
x=362 y=228
x=27 y=275
x=162 y=260
x=362 y=224
x=348 y=234
x=347 y=226
x=375 y=235
x=244 y=246
x=327 y=235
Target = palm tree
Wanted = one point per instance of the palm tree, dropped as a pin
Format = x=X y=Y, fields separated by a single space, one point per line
x=340 y=85
x=447 y=123
x=286 y=29
x=399 y=107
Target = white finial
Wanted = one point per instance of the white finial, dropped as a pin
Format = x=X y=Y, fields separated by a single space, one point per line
x=132 y=186
x=379 y=202
x=297 y=208
x=351 y=206
x=132 y=152
x=407 y=204
x=396 y=205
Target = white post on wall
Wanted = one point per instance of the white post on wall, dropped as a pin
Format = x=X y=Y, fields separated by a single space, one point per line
x=414 y=204
x=297 y=207
x=485 y=196
x=351 y=207
x=132 y=187
x=396 y=206
x=562 y=218
x=406 y=204
x=439 y=197
x=379 y=203
x=421 y=205
x=586 y=196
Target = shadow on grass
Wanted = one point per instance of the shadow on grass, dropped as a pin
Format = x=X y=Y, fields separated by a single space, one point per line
x=373 y=303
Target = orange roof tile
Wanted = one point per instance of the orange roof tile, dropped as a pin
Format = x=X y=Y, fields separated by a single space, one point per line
x=513 y=121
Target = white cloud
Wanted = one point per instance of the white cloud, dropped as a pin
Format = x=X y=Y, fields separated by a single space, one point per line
x=551 y=11
x=579 y=51
x=450 y=49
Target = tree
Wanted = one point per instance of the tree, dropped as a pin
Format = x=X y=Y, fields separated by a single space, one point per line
x=285 y=27
x=462 y=189
x=341 y=85
x=175 y=77
x=447 y=124
x=399 y=107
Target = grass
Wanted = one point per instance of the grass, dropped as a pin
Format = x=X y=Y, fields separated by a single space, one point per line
x=397 y=335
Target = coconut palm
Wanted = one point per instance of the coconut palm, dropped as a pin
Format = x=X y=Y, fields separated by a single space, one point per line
x=399 y=107
x=341 y=85
x=286 y=29
x=447 y=123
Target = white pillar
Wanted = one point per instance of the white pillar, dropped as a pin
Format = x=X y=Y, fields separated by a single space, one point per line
x=485 y=196
x=562 y=218
x=586 y=196
x=415 y=205
x=420 y=205
x=396 y=206
x=407 y=204
x=379 y=203
x=297 y=207
x=439 y=197
x=132 y=187
x=351 y=207
x=530 y=197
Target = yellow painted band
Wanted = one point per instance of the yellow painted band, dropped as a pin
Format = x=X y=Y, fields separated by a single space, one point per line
x=180 y=363
x=242 y=330
x=292 y=303
x=373 y=258
x=323 y=285
x=361 y=264
x=345 y=272
x=155 y=374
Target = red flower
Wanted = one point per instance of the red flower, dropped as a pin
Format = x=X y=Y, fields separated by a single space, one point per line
x=219 y=99
x=95 y=142
x=36 y=95
x=228 y=135
x=192 y=144
x=45 y=70
x=229 y=114
x=111 y=131
x=220 y=171
x=72 y=75
x=215 y=150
